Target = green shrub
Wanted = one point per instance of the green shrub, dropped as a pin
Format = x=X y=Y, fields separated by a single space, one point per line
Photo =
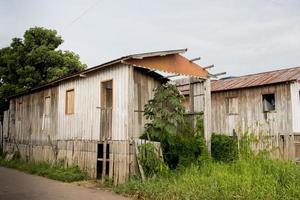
x=224 y=148
x=182 y=150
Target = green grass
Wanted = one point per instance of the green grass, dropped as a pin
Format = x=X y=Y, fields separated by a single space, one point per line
x=55 y=171
x=256 y=178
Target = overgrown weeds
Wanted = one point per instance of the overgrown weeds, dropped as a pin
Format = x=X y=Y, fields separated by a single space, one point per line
x=255 y=178
x=55 y=171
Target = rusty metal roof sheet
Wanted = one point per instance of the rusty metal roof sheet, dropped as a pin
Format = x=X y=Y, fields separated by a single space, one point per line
x=254 y=80
x=172 y=63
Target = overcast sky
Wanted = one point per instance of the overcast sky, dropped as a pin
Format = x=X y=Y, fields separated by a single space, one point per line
x=239 y=37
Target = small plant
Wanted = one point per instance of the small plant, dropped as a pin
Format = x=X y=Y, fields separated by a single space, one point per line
x=150 y=161
x=16 y=155
x=200 y=125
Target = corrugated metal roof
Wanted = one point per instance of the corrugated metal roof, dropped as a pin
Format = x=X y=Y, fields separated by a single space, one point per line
x=253 y=80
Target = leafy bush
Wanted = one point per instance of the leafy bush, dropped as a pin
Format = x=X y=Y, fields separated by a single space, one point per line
x=224 y=148
x=149 y=159
x=256 y=178
x=56 y=171
x=182 y=150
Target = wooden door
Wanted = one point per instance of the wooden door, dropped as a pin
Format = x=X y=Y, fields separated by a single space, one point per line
x=106 y=110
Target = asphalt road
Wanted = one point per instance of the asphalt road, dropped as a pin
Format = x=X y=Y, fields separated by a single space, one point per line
x=15 y=185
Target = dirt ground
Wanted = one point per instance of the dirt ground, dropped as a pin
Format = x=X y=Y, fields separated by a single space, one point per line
x=15 y=185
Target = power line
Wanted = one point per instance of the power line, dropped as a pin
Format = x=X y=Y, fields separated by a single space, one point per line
x=85 y=12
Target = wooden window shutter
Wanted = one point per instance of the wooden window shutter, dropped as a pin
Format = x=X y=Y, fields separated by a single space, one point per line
x=232 y=106
x=70 y=102
x=47 y=106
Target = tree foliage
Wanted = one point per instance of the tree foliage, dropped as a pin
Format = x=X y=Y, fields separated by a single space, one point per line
x=34 y=60
x=165 y=112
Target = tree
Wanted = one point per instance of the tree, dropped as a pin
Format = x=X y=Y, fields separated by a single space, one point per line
x=34 y=60
x=181 y=143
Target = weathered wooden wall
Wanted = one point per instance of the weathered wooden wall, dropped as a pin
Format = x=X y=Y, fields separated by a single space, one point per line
x=250 y=109
x=295 y=100
x=5 y=124
x=69 y=152
x=200 y=102
x=251 y=119
x=143 y=91
x=33 y=132
x=197 y=95
x=85 y=122
x=26 y=121
x=1 y=137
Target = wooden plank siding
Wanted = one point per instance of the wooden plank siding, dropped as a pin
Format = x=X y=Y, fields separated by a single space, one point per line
x=28 y=121
x=85 y=122
x=295 y=98
x=249 y=117
x=250 y=109
x=143 y=91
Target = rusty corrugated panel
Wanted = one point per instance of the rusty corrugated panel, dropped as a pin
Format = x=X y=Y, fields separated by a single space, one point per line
x=265 y=78
x=173 y=63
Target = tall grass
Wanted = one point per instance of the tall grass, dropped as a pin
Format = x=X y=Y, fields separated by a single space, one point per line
x=255 y=178
x=55 y=171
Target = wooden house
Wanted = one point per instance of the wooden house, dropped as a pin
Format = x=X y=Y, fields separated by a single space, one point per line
x=264 y=104
x=92 y=118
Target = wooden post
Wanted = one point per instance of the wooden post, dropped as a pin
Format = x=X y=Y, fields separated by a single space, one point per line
x=1 y=135
x=139 y=164
x=192 y=102
x=207 y=113
x=104 y=161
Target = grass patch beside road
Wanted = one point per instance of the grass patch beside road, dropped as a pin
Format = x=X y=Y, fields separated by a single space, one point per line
x=55 y=171
x=255 y=178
